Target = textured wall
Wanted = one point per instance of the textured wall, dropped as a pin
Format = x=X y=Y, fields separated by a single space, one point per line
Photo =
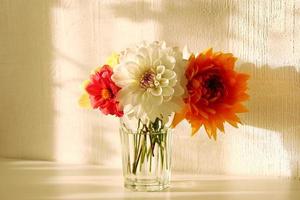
x=48 y=47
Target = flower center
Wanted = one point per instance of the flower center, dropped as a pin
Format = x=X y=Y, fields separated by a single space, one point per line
x=213 y=88
x=105 y=93
x=148 y=80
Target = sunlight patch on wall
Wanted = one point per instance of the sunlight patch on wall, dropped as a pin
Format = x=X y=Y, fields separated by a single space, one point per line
x=83 y=36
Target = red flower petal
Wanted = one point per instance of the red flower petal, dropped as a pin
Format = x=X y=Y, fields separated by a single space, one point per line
x=102 y=92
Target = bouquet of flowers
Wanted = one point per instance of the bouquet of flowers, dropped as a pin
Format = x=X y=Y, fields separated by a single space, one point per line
x=152 y=88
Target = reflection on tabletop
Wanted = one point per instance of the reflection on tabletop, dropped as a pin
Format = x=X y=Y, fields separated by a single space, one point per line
x=49 y=180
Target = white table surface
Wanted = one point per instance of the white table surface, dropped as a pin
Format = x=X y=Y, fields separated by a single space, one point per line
x=50 y=181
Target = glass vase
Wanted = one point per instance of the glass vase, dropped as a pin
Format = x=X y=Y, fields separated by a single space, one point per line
x=146 y=154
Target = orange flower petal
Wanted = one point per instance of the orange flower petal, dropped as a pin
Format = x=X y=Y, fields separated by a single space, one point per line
x=178 y=117
x=215 y=92
x=220 y=126
x=208 y=130
x=195 y=126
x=240 y=108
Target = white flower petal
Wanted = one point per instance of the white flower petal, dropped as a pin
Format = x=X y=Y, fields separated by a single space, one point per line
x=147 y=107
x=129 y=54
x=179 y=91
x=167 y=91
x=122 y=72
x=186 y=52
x=137 y=96
x=133 y=68
x=177 y=103
x=155 y=100
x=167 y=98
x=161 y=100
x=156 y=62
x=155 y=54
x=145 y=96
x=144 y=52
x=163 y=82
x=163 y=44
x=169 y=74
x=144 y=62
x=139 y=111
x=156 y=91
x=168 y=61
x=160 y=69
x=124 y=95
x=172 y=82
x=122 y=80
x=158 y=76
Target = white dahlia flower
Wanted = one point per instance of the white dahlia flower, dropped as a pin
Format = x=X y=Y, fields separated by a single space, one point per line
x=152 y=80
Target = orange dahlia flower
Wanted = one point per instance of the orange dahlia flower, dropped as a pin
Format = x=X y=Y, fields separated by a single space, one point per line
x=215 y=92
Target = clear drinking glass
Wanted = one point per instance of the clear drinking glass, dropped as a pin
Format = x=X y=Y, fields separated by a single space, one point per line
x=146 y=154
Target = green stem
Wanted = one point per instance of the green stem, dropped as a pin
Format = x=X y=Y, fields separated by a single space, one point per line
x=167 y=158
x=136 y=162
x=144 y=151
x=158 y=136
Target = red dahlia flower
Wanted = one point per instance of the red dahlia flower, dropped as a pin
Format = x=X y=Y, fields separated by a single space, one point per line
x=215 y=92
x=102 y=92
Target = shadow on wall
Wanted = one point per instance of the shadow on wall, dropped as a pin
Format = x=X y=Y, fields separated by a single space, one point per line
x=275 y=92
x=193 y=20
x=26 y=123
x=274 y=105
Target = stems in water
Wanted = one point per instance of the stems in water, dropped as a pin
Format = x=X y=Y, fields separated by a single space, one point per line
x=147 y=137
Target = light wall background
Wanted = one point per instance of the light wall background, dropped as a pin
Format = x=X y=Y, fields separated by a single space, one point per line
x=47 y=48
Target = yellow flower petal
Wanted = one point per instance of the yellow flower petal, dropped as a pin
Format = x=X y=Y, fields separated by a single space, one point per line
x=84 y=84
x=84 y=101
x=113 y=60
